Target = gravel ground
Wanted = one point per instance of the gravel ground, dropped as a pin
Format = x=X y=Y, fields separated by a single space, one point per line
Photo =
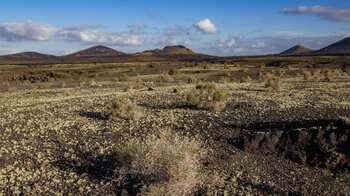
x=58 y=142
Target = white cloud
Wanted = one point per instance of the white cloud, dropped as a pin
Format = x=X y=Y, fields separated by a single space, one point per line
x=290 y=33
x=332 y=13
x=81 y=27
x=28 y=31
x=69 y=51
x=160 y=41
x=188 y=42
x=206 y=27
x=138 y=26
x=5 y=50
x=177 y=30
x=118 y=38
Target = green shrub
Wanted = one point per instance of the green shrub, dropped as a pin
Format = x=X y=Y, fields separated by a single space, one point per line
x=208 y=97
x=124 y=108
x=164 y=163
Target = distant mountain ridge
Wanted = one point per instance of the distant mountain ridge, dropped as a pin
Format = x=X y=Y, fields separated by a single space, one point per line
x=29 y=55
x=96 y=51
x=176 y=52
x=169 y=50
x=337 y=48
x=296 y=50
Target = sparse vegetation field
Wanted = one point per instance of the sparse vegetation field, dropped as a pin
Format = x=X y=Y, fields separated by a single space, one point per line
x=177 y=128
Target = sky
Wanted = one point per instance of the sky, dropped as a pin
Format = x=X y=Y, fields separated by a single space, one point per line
x=220 y=27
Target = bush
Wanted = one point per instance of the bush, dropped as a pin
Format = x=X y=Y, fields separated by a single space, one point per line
x=124 y=108
x=208 y=97
x=164 y=163
x=63 y=84
x=45 y=85
x=191 y=80
x=246 y=79
x=329 y=75
x=273 y=84
x=124 y=78
x=165 y=77
x=224 y=79
x=12 y=89
x=307 y=75
x=173 y=72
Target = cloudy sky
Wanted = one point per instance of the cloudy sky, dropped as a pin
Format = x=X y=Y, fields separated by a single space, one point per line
x=217 y=27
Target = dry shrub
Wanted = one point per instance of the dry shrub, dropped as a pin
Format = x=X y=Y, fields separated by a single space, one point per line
x=191 y=80
x=12 y=89
x=124 y=78
x=207 y=66
x=132 y=69
x=262 y=65
x=307 y=75
x=83 y=79
x=164 y=163
x=165 y=77
x=148 y=84
x=244 y=70
x=128 y=88
x=347 y=71
x=209 y=97
x=26 y=82
x=173 y=71
x=273 y=84
x=328 y=75
x=124 y=108
x=264 y=76
x=63 y=84
x=115 y=80
x=317 y=75
x=246 y=79
x=236 y=65
x=45 y=85
x=224 y=79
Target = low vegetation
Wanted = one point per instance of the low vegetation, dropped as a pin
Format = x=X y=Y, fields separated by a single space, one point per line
x=164 y=163
x=124 y=108
x=209 y=97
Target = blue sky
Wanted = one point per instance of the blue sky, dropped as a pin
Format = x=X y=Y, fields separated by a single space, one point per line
x=221 y=27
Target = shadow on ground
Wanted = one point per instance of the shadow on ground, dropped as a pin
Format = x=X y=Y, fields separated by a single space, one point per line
x=94 y=115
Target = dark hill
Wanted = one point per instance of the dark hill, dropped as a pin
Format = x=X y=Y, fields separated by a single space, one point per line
x=27 y=55
x=338 y=48
x=96 y=51
x=296 y=50
x=170 y=50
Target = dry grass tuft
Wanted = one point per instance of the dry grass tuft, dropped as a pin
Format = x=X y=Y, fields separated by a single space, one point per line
x=124 y=108
x=273 y=84
x=209 y=97
x=45 y=85
x=124 y=78
x=165 y=77
x=165 y=163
